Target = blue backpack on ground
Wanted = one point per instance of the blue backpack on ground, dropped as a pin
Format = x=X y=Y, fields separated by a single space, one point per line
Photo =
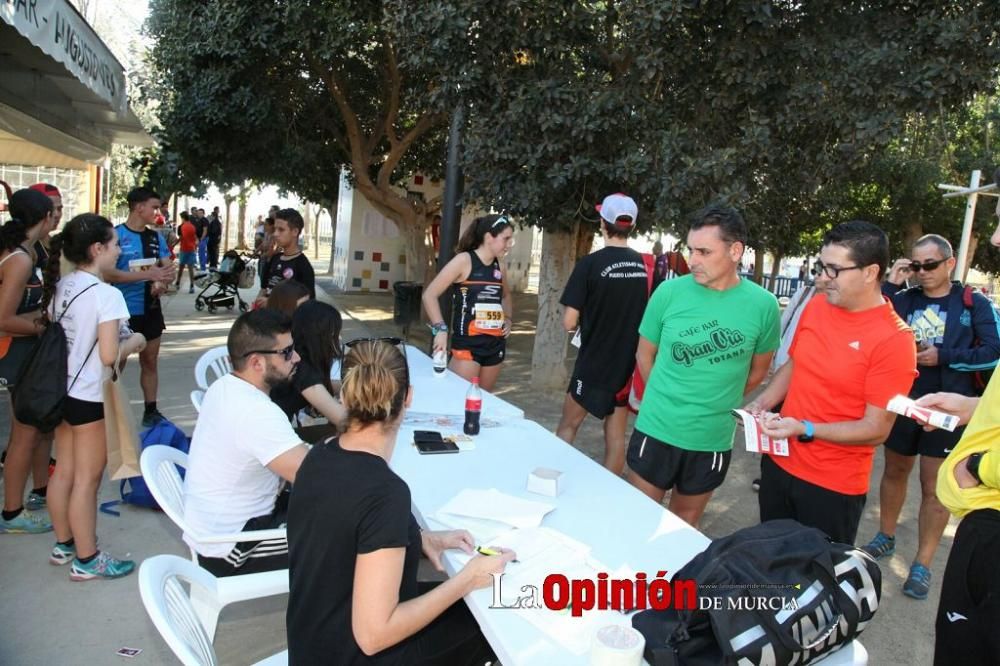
x=167 y=434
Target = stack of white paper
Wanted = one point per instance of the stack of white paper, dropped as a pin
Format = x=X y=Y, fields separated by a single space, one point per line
x=496 y=506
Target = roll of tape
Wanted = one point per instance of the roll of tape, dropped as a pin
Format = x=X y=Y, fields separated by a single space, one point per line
x=616 y=645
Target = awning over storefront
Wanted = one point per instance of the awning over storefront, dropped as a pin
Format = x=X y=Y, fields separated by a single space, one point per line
x=60 y=86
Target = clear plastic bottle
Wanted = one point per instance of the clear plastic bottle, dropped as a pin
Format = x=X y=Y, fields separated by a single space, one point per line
x=473 y=408
x=440 y=361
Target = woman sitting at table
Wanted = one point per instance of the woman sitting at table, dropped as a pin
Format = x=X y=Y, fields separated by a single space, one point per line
x=354 y=545
x=316 y=334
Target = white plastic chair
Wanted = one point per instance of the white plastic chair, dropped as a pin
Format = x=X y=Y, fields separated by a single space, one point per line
x=197 y=396
x=159 y=470
x=215 y=359
x=173 y=613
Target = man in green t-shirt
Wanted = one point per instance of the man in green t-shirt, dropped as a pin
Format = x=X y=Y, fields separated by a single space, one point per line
x=717 y=333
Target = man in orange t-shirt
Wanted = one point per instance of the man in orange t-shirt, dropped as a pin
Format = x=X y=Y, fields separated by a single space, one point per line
x=188 y=250
x=851 y=354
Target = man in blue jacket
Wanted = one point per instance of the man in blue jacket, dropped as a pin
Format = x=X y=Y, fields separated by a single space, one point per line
x=958 y=336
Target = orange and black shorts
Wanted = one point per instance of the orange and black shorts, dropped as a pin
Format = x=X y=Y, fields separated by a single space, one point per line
x=486 y=350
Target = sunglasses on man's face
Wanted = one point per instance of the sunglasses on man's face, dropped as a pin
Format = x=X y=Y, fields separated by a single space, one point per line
x=285 y=352
x=927 y=266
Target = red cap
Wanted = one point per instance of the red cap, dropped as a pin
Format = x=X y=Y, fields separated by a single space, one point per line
x=46 y=189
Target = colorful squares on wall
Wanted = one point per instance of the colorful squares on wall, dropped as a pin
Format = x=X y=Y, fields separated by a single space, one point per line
x=356 y=283
x=359 y=255
x=384 y=267
x=376 y=256
x=383 y=284
x=366 y=274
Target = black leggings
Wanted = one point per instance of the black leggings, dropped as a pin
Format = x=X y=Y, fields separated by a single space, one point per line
x=453 y=639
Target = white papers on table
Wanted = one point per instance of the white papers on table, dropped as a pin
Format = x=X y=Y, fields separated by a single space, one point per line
x=757 y=441
x=496 y=506
x=542 y=551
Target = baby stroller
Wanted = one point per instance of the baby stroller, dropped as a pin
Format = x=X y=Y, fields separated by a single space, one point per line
x=226 y=283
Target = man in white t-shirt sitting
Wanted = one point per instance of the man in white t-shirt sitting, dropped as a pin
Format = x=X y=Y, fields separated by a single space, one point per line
x=243 y=446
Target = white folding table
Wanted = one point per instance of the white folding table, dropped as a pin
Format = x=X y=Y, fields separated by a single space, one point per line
x=444 y=393
x=625 y=530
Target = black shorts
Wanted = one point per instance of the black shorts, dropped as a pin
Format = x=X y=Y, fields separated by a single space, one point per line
x=908 y=438
x=486 y=350
x=597 y=400
x=249 y=557
x=151 y=324
x=666 y=466
x=969 y=611
x=81 y=412
x=13 y=360
x=782 y=495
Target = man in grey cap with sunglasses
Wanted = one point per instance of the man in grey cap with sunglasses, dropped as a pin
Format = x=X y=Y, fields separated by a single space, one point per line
x=957 y=336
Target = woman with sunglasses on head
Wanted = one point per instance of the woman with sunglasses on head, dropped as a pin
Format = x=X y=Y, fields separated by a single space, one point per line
x=316 y=335
x=354 y=546
x=481 y=301
x=32 y=218
x=92 y=312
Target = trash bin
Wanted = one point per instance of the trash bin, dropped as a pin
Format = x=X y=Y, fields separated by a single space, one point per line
x=406 y=304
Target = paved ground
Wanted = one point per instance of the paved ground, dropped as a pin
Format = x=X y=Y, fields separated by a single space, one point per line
x=46 y=619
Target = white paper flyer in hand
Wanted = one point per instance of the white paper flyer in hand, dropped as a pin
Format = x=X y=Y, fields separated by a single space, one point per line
x=757 y=441
x=910 y=409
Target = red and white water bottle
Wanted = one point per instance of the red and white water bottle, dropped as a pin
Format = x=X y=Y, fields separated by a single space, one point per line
x=473 y=407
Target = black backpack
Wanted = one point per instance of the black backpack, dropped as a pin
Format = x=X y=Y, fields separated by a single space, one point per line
x=41 y=388
x=777 y=593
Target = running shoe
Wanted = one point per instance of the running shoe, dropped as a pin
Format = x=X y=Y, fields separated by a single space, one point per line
x=191 y=290
x=881 y=546
x=35 y=502
x=62 y=554
x=918 y=583
x=102 y=566
x=25 y=523
x=150 y=419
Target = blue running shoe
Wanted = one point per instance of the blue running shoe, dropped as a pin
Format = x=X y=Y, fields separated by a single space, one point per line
x=102 y=566
x=35 y=502
x=918 y=583
x=62 y=554
x=25 y=523
x=881 y=546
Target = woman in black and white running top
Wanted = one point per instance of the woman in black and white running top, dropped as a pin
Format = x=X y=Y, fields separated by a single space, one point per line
x=481 y=301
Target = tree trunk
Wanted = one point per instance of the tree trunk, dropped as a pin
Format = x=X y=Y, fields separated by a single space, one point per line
x=331 y=210
x=758 y=266
x=315 y=230
x=241 y=239
x=911 y=232
x=548 y=357
x=306 y=221
x=776 y=269
x=225 y=233
x=584 y=240
x=418 y=252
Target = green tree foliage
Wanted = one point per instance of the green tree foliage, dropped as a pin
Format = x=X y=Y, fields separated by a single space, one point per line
x=760 y=103
x=289 y=92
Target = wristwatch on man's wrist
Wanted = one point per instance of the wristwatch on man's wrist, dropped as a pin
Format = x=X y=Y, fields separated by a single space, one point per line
x=439 y=327
x=809 y=434
x=973 y=466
